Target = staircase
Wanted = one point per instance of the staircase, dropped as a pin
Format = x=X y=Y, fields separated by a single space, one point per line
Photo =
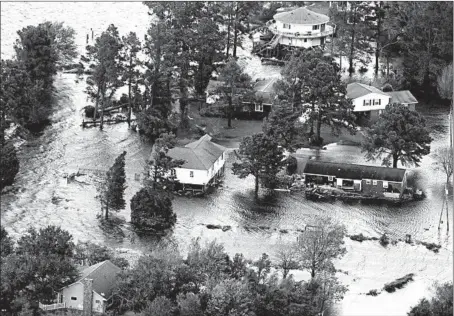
x=271 y=44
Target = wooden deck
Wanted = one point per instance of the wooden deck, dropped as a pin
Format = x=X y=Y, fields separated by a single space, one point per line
x=51 y=307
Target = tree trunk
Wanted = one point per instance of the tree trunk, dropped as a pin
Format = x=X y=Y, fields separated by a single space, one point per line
x=96 y=106
x=228 y=36
x=319 y=127
x=312 y=273
x=235 y=38
x=256 y=186
x=107 y=212
x=129 y=92
x=377 y=50
x=352 y=45
x=102 y=109
x=312 y=120
x=229 y=113
x=395 y=159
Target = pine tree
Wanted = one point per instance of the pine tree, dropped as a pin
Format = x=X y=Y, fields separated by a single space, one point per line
x=113 y=189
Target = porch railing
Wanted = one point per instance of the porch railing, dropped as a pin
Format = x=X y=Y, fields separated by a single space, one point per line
x=50 y=307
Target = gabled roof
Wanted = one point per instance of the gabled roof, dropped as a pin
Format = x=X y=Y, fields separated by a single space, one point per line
x=265 y=89
x=401 y=97
x=356 y=90
x=198 y=155
x=103 y=275
x=301 y=16
x=353 y=171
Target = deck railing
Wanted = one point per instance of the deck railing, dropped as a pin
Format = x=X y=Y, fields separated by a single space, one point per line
x=50 y=307
x=314 y=34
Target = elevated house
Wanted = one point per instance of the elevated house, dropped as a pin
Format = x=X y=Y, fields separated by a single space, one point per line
x=258 y=108
x=204 y=164
x=371 y=101
x=91 y=292
x=368 y=180
x=299 y=28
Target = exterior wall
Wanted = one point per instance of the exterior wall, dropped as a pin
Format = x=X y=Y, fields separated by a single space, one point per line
x=359 y=102
x=297 y=28
x=98 y=303
x=379 y=189
x=75 y=290
x=307 y=37
x=201 y=177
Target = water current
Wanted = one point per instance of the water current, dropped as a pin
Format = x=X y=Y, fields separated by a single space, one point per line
x=44 y=197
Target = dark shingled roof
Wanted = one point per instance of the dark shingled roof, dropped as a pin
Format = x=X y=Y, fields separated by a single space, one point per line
x=198 y=155
x=401 y=97
x=354 y=172
x=301 y=16
x=356 y=90
x=103 y=275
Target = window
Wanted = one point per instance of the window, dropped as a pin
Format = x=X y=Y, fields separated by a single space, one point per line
x=367 y=102
x=97 y=301
x=305 y=40
x=191 y=174
x=367 y=181
x=173 y=173
x=330 y=178
x=73 y=298
x=377 y=102
x=374 y=182
x=258 y=107
x=286 y=26
x=315 y=27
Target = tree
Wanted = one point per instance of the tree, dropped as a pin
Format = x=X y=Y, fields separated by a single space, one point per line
x=318 y=248
x=287 y=259
x=113 y=188
x=236 y=85
x=444 y=161
x=400 y=134
x=161 y=167
x=6 y=243
x=189 y=304
x=353 y=32
x=152 y=211
x=63 y=42
x=155 y=121
x=160 y=306
x=131 y=46
x=10 y=164
x=260 y=157
x=439 y=305
x=284 y=127
x=106 y=69
x=445 y=82
x=88 y=253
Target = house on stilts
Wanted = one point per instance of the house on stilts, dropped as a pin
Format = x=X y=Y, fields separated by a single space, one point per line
x=204 y=164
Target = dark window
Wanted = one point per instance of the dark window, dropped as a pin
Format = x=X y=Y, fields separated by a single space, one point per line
x=305 y=40
x=191 y=174
x=315 y=27
x=73 y=298
x=97 y=301
x=173 y=172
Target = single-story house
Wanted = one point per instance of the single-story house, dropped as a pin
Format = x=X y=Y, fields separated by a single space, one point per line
x=204 y=163
x=372 y=101
x=93 y=289
x=369 y=180
x=248 y=109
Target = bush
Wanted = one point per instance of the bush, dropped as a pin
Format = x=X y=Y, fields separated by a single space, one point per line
x=384 y=240
x=292 y=165
x=398 y=283
x=9 y=166
x=151 y=210
x=387 y=88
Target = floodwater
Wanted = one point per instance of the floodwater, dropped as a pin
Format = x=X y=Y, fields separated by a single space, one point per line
x=44 y=197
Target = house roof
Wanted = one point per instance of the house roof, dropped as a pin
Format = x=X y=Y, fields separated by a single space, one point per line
x=401 y=97
x=356 y=90
x=353 y=171
x=301 y=16
x=103 y=275
x=213 y=85
x=198 y=155
x=265 y=89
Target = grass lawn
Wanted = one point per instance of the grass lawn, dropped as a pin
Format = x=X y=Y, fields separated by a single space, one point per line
x=231 y=137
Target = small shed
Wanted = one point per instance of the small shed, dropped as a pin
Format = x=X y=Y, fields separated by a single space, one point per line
x=369 y=180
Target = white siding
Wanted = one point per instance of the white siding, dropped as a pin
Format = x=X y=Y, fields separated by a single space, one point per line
x=297 y=28
x=98 y=306
x=201 y=177
x=359 y=102
x=75 y=290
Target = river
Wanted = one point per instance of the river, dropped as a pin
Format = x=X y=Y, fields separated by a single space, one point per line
x=44 y=197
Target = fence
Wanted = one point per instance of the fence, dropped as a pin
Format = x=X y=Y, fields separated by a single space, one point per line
x=51 y=307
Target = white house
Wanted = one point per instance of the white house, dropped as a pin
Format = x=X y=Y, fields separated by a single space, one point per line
x=300 y=28
x=372 y=101
x=204 y=163
x=93 y=288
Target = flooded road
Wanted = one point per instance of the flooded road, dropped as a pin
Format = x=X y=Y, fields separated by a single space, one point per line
x=44 y=197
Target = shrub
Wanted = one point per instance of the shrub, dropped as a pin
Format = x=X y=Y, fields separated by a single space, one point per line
x=9 y=166
x=384 y=240
x=292 y=165
x=387 y=88
x=151 y=210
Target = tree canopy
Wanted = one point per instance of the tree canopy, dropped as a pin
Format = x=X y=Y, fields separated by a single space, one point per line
x=399 y=135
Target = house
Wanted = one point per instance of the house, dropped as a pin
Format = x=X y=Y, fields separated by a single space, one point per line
x=204 y=163
x=372 y=101
x=300 y=28
x=368 y=180
x=93 y=289
x=258 y=108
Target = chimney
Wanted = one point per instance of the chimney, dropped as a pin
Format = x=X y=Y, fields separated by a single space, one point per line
x=88 y=297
